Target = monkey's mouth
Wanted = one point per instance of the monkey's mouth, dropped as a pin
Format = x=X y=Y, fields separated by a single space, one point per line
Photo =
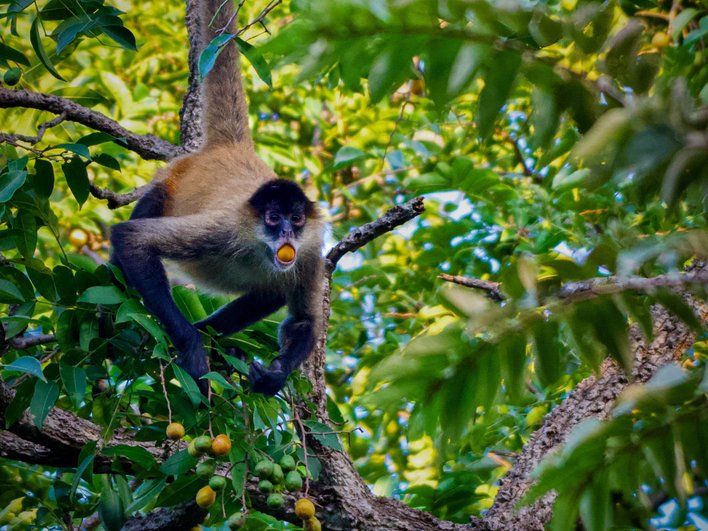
x=285 y=256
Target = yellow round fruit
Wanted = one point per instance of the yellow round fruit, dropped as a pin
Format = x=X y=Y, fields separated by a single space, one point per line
x=78 y=237
x=313 y=524
x=175 y=431
x=304 y=509
x=660 y=39
x=286 y=253
x=221 y=445
x=205 y=497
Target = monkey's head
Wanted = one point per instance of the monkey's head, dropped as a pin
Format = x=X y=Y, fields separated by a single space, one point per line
x=283 y=209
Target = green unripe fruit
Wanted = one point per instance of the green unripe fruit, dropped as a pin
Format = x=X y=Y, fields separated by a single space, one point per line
x=264 y=469
x=203 y=443
x=287 y=463
x=192 y=450
x=12 y=76
x=206 y=469
x=217 y=482
x=236 y=521
x=265 y=486
x=293 y=481
x=277 y=475
x=275 y=501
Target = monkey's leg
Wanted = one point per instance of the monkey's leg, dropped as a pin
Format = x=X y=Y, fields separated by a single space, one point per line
x=297 y=339
x=242 y=312
x=139 y=246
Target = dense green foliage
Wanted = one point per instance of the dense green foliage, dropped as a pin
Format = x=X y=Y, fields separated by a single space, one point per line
x=554 y=141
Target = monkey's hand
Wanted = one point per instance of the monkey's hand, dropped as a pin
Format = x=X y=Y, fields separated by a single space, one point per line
x=194 y=361
x=267 y=381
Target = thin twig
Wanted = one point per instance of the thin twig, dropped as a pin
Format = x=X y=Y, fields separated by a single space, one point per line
x=261 y=17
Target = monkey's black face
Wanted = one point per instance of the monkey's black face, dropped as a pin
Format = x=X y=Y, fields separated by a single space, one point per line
x=283 y=207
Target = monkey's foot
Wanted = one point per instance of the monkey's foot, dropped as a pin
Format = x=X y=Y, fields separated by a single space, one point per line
x=266 y=381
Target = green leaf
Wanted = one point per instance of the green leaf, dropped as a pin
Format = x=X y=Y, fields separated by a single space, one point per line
x=43 y=179
x=10 y=182
x=102 y=295
x=110 y=506
x=549 y=360
x=681 y=21
x=188 y=384
x=106 y=160
x=122 y=35
x=513 y=366
x=257 y=61
x=346 y=156
x=26 y=234
x=79 y=149
x=675 y=304
x=44 y=398
x=211 y=52
x=42 y=280
x=145 y=493
x=19 y=404
x=390 y=68
x=36 y=40
x=216 y=377
x=498 y=81
x=77 y=179
x=10 y=54
x=136 y=454
x=9 y=294
x=324 y=434
x=27 y=364
x=74 y=380
x=178 y=464
x=188 y=302
x=86 y=458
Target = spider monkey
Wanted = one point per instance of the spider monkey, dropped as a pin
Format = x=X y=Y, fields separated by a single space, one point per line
x=225 y=218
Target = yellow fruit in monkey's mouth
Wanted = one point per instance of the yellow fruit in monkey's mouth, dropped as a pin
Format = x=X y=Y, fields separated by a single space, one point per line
x=286 y=253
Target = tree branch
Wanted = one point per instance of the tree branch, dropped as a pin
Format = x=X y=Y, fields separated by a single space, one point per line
x=594 y=287
x=116 y=200
x=593 y=397
x=190 y=115
x=491 y=288
x=147 y=146
x=360 y=236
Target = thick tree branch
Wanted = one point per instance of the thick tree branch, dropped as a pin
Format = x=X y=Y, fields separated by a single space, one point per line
x=593 y=397
x=147 y=146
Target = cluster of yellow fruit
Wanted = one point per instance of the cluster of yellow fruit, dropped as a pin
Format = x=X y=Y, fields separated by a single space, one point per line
x=219 y=446
x=305 y=510
x=276 y=476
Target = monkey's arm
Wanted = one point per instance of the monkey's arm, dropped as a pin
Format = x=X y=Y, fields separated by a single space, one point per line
x=242 y=312
x=298 y=333
x=138 y=246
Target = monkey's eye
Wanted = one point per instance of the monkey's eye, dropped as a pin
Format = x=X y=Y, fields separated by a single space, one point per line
x=272 y=219
x=297 y=220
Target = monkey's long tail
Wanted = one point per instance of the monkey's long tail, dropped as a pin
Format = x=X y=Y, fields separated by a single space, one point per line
x=226 y=112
